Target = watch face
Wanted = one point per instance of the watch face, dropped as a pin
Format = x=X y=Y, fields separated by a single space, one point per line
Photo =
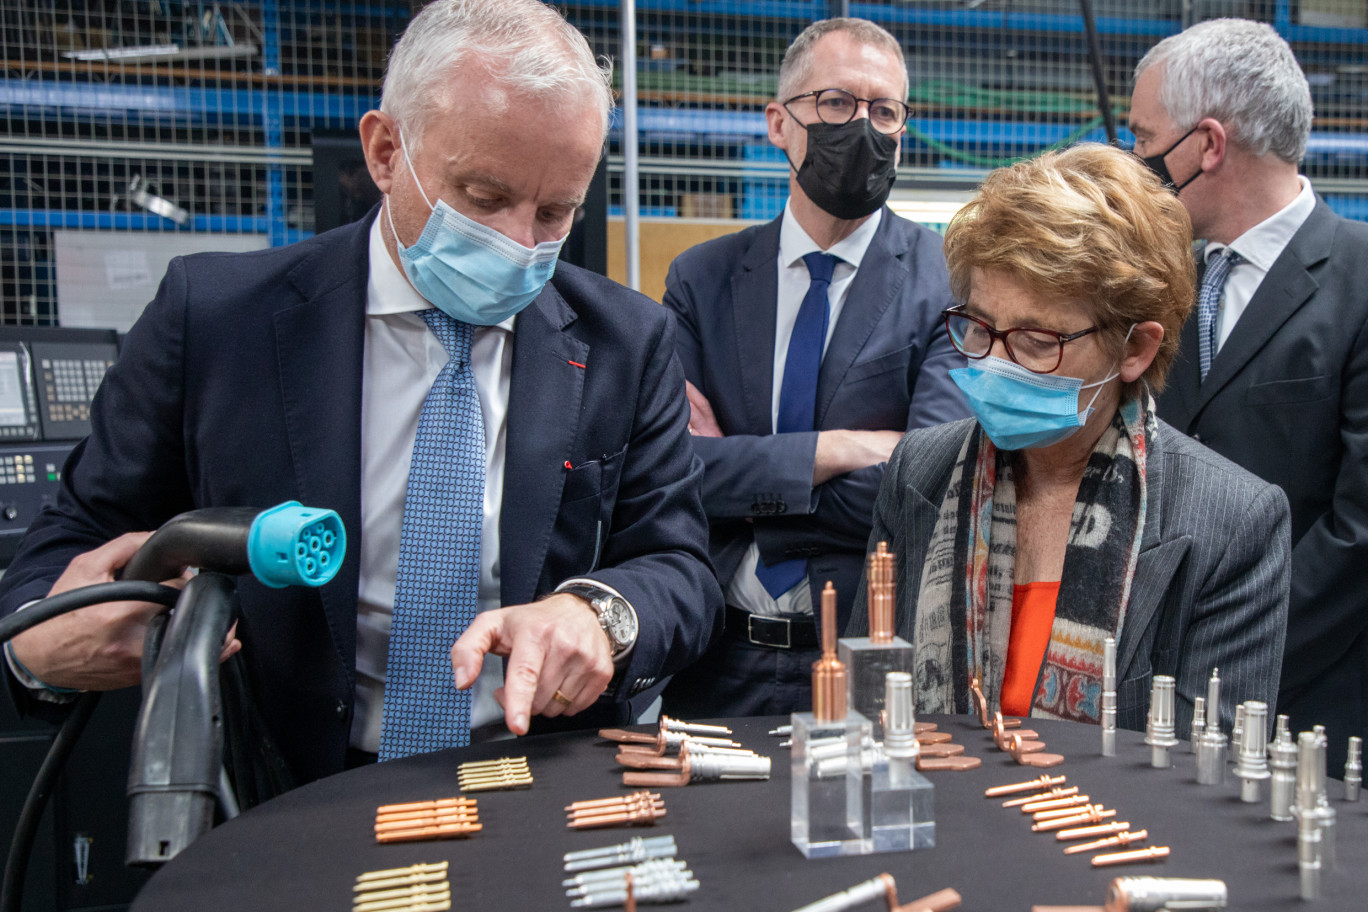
x=620 y=621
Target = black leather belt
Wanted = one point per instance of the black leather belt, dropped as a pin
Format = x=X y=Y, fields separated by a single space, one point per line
x=785 y=631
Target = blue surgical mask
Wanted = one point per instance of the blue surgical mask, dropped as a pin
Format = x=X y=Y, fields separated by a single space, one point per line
x=1021 y=410
x=469 y=271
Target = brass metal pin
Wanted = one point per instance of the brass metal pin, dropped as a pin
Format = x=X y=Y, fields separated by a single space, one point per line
x=1094 y=816
x=1052 y=793
x=387 y=873
x=1043 y=782
x=1087 y=832
x=400 y=881
x=1049 y=804
x=1120 y=839
x=386 y=904
x=1153 y=853
x=427 y=889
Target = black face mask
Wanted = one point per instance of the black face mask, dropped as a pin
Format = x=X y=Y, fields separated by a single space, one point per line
x=1156 y=164
x=849 y=168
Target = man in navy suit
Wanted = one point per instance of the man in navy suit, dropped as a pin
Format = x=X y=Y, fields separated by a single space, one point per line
x=810 y=345
x=1272 y=366
x=301 y=372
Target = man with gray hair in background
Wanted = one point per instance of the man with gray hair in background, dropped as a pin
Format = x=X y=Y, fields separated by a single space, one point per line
x=1272 y=370
x=810 y=345
x=503 y=436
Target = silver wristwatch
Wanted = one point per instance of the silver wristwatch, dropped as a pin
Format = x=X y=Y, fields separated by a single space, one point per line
x=616 y=615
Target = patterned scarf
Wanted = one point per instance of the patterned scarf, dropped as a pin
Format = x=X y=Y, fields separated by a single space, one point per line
x=964 y=607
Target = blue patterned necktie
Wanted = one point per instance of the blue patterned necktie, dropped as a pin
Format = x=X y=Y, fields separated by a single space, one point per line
x=1209 y=303
x=439 y=558
x=798 y=392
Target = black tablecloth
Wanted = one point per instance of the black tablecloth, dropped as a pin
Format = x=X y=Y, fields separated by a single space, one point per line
x=304 y=849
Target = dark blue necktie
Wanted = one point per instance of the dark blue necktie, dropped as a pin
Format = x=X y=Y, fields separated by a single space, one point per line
x=1209 y=304
x=798 y=393
x=437 y=587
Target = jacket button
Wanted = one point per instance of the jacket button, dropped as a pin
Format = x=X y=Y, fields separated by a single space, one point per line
x=341 y=709
x=1197 y=437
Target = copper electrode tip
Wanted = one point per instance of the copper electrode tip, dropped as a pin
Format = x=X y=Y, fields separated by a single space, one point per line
x=880 y=592
x=828 y=672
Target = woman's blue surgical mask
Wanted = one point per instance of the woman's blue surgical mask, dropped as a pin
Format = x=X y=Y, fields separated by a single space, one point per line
x=1021 y=410
x=469 y=271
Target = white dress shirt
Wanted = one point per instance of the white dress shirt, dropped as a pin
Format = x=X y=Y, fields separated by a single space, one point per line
x=402 y=359
x=745 y=590
x=1259 y=247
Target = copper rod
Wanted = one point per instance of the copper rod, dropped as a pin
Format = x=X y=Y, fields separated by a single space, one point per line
x=829 y=702
x=1043 y=782
x=1095 y=815
x=1030 y=799
x=1120 y=839
x=1153 y=853
x=1087 y=832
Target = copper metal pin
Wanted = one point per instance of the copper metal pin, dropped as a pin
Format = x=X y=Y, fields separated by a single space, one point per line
x=1119 y=840
x=394 y=826
x=1030 y=799
x=927 y=764
x=881 y=597
x=431 y=832
x=1044 y=782
x=1049 y=804
x=620 y=799
x=1075 y=804
x=425 y=805
x=829 y=684
x=940 y=901
x=1153 y=853
x=1087 y=832
x=1096 y=815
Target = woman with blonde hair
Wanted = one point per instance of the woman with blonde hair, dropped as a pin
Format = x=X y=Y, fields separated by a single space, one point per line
x=1065 y=512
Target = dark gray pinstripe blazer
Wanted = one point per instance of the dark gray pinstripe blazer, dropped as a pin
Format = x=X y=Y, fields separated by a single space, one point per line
x=1211 y=582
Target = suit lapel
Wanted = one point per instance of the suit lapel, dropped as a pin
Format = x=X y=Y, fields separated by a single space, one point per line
x=1155 y=566
x=1286 y=288
x=319 y=351
x=754 y=295
x=1180 y=392
x=876 y=285
x=543 y=408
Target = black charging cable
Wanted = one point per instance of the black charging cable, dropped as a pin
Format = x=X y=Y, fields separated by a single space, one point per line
x=16 y=865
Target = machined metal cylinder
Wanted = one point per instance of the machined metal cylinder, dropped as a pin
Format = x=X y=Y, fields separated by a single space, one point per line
x=1282 y=759
x=900 y=739
x=1153 y=894
x=1198 y=723
x=1251 y=765
x=1211 y=749
x=1353 y=770
x=1160 y=736
x=1109 y=697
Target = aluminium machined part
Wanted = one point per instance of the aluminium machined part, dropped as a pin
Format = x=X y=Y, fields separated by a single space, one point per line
x=1160 y=735
x=1353 y=770
x=1109 y=697
x=1252 y=763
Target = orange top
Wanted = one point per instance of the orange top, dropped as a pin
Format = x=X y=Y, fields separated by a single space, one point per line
x=1033 y=611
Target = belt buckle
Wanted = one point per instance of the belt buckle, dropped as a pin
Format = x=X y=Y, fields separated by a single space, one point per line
x=788 y=631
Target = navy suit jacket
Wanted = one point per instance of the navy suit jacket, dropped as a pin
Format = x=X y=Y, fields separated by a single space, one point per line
x=1287 y=399
x=241 y=385
x=884 y=369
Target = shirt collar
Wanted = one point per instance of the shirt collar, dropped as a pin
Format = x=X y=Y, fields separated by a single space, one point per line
x=388 y=290
x=794 y=242
x=1265 y=242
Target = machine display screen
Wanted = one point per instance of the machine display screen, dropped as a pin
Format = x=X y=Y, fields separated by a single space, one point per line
x=12 y=380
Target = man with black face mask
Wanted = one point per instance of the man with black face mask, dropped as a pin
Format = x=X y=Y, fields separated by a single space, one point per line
x=1272 y=366
x=810 y=345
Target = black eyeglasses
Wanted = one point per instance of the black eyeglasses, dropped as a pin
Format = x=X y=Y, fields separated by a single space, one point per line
x=837 y=106
x=1040 y=351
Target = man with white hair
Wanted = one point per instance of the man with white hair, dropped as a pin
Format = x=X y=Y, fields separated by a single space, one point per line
x=1272 y=370
x=506 y=447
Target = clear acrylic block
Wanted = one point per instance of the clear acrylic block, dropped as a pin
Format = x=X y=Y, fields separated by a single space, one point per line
x=831 y=786
x=866 y=664
x=902 y=807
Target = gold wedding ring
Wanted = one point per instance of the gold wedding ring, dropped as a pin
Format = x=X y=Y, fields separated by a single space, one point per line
x=561 y=698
